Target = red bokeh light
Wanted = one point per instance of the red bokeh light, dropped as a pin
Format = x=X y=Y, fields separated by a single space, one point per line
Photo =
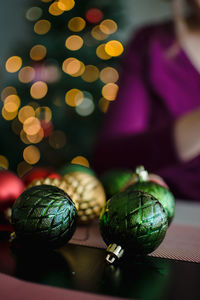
x=94 y=15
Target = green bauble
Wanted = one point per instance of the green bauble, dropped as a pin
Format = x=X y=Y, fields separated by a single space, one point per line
x=164 y=196
x=115 y=180
x=44 y=216
x=71 y=168
x=134 y=221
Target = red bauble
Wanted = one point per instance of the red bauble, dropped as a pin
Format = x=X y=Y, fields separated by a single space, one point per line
x=40 y=172
x=11 y=186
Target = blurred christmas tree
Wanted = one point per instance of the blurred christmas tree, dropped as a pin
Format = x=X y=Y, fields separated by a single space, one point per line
x=61 y=84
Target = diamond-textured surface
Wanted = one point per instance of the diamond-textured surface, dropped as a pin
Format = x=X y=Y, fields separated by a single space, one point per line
x=44 y=214
x=88 y=194
x=134 y=220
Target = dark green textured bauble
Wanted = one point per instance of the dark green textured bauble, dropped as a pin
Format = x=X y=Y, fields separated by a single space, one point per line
x=44 y=216
x=162 y=194
x=134 y=220
x=70 y=168
x=115 y=180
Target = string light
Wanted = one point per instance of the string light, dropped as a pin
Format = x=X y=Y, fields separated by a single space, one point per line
x=33 y=13
x=109 y=91
x=97 y=34
x=80 y=160
x=55 y=10
x=108 y=26
x=26 y=74
x=57 y=139
x=31 y=155
x=66 y=4
x=76 y=24
x=4 y=162
x=8 y=116
x=26 y=112
x=74 y=97
x=90 y=74
x=38 y=90
x=37 y=138
x=31 y=126
x=73 y=67
x=74 y=42
x=109 y=74
x=13 y=99
x=42 y=27
x=13 y=64
x=38 y=52
x=114 y=48
x=101 y=53
x=7 y=91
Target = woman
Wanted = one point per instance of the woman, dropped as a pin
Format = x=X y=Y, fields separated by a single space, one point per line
x=155 y=120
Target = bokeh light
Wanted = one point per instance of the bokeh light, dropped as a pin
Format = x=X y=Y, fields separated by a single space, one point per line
x=80 y=160
x=86 y=107
x=23 y=137
x=94 y=15
x=74 y=97
x=104 y=105
x=109 y=74
x=23 y=168
x=36 y=138
x=38 y=90
x=38 y=52
x=97 y=34
x=8 y=116
x=12 y=99
x=42 y=27
x=16 y=126
x=55 y=10
x=57 y=139
x=4 y=162
x=44 y=113
x=74 y=42
x=31 y=126
x=109 y=91
x=33 y=13
x=90 y=74
x=76 y=24
x=31 y=155
x=66 y=4
x=101 y=53
x=73 y=67
x=7 y=91
x=26 y=74
x=108 y=26
x=114 y=48
x=13 y=64
x=26 y=112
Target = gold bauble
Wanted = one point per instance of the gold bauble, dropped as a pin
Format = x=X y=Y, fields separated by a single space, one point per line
x=88 y=194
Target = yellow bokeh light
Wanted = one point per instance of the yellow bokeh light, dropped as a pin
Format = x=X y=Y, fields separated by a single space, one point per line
x=114 y=48
x=26 y=112
x=90 y=74
x=31 y=126
x=38 y=52
x=76 y=24
x=97 y=34
x=104 y=105
x=44 y=113
x=74 y=97
x=80 y=160
x=109 y=91
x=108 y=26
x=13 y=64
x=55 y=10
x=38 y=90
x=37 y=138
x=13 y=99
x=26 y=74
x=23 y=137
x=7 y=115
x=23 y=168
x=42 y=27
x=10 y=107
x=73 y=67
x=66 y=4
x=109 y=74
x=31 y=155
x=16 y=126
x=57 y=139
x=4 y=162
x=74 y=42
x=101 y=53
x=7 y=91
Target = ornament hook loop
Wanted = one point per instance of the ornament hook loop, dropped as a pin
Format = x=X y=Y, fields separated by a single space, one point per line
x=114 y=251
x=142 y=174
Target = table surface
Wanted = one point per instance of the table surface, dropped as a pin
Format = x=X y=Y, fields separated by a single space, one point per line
x=84 y=269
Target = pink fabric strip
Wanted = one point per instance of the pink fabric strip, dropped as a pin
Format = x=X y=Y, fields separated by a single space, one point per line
x=182 y=242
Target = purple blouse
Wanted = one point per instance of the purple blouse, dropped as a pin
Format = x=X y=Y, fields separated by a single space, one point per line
x=158 y=83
